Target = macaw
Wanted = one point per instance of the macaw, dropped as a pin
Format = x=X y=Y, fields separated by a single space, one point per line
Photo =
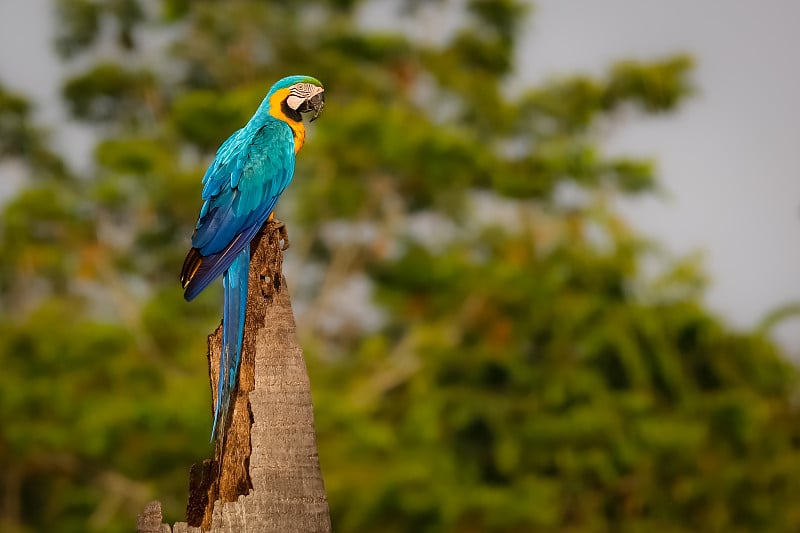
x=240 y=189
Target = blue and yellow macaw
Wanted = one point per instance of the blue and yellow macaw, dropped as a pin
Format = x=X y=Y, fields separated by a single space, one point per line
x=240 y=190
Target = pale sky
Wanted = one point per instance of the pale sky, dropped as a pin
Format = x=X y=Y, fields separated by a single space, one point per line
x=730 y=159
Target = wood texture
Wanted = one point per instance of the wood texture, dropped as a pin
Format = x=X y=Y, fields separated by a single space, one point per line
x=266 y=476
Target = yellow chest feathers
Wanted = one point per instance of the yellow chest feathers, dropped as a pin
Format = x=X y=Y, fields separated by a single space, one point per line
x=275 y=109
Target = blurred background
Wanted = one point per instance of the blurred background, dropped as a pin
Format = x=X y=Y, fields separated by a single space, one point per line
x=543 y=257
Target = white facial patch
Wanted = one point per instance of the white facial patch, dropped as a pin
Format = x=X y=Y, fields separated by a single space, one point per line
x=294 y=101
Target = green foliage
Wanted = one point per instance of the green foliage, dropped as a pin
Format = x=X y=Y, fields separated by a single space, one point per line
x=102 y=399
x=80 y=23
x=14 y=112
x=107 y=91
x=535 y=386
x=524 y=373
x=657 y=87
x=20 y=139
x=205 y=119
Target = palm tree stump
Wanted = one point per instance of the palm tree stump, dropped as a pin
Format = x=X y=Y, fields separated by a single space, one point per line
x=266 y=475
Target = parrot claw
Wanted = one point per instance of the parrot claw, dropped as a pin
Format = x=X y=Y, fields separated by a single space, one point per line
x=280 y=227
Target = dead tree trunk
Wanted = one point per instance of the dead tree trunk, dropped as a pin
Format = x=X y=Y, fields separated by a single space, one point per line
x=266 y=476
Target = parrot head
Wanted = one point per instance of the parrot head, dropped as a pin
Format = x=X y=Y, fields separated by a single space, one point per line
x=297 y=95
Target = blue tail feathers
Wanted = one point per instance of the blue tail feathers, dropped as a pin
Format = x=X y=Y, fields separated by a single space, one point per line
x=234 y=282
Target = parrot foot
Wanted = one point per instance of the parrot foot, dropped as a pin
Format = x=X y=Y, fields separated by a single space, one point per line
x=283 y=235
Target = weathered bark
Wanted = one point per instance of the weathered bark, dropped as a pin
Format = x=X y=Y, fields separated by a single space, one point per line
x=266 y=476
x=150 y=520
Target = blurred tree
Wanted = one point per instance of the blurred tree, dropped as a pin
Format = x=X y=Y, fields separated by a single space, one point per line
x=488 y=351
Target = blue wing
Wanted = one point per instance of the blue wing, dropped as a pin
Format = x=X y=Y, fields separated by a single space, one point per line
x=240 y=189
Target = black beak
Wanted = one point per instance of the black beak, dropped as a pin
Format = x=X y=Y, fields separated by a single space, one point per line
x=313 y=105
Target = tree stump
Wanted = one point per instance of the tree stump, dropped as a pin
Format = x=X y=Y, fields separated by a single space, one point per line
x=266 y=476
